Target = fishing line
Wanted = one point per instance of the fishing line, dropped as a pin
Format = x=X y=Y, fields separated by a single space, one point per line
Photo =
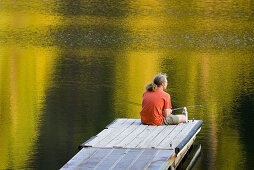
x=138 y=104
x=193 y=106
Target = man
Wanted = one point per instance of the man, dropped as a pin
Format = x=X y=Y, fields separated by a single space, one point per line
x=156 y=104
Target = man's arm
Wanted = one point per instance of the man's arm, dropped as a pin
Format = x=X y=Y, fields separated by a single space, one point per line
x=167 y=112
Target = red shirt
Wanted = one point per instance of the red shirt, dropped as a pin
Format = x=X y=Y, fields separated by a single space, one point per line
x=154 y=102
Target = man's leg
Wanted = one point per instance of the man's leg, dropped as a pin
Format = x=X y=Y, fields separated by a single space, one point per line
x=171 y=120
x=181 y=118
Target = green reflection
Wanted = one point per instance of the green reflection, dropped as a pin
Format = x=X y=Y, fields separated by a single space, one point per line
x=77 y=106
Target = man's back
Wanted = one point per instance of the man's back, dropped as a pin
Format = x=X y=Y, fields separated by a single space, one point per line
x=152 y=106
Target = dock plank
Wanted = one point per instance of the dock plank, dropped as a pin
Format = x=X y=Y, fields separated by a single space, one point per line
x=116 y=123
x=112 y=159
x=131 y=136
x=128 y=144
x=82 y=156
x=105 y=132
x=124 y=134
x=149 y=138
x=97 y=139
x=95 y=158
x=188 y=136
x=134 y=143
x=167 y=142
x=114 y=133
x=130 y=156
x=160 y=161
x=161 y=136
x=119 y=158
x=144 y=159
x=177 y=139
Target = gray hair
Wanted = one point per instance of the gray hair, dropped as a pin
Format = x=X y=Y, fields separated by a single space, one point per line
x=158 y=80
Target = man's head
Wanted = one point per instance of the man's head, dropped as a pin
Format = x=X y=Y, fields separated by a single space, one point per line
x=161 y=80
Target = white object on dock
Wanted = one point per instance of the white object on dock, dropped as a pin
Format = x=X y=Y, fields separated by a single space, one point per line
x=185 y=113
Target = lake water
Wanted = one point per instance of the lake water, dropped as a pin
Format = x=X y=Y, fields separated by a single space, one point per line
x=69 y=68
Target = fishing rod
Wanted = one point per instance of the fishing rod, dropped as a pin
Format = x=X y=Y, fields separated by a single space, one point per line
x=184 y=108
x=134 y=103
x=193 y=106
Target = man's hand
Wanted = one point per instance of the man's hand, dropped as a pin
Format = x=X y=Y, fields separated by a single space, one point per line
x=166 y=112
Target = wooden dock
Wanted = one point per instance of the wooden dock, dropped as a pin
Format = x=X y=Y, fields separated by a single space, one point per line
x=129 y=144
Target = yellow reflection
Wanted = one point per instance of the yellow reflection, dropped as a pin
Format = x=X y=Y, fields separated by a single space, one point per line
x=150 y=11
x=18 y=14
x=23 y=81
x=213 y=77
x=24 y=78
x=17 y=20
x=137 y=69
x=225 y=91
x=224 y=15
x=208 y=76
x=24 y=73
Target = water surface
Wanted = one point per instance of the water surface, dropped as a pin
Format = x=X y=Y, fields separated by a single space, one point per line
x=69 y=68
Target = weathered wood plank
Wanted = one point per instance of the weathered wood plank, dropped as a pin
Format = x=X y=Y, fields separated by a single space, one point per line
x=82 y=156
x=85 y=143
x=154 y=143
x=111 y=127
x=188 y=128
x=144 y=159
x=95 y=158
x=183 y=151
x=116 y=123
x=113 y=134
x=130 y=156
x=160 y=161
x=148 y=130
x=111 y=159
x=131 y=136
x=121 y=123
x=124 y=134
x=188 y=135
x=97 y=139
x=146 y=142
x=167 y=142
x=137 y=142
